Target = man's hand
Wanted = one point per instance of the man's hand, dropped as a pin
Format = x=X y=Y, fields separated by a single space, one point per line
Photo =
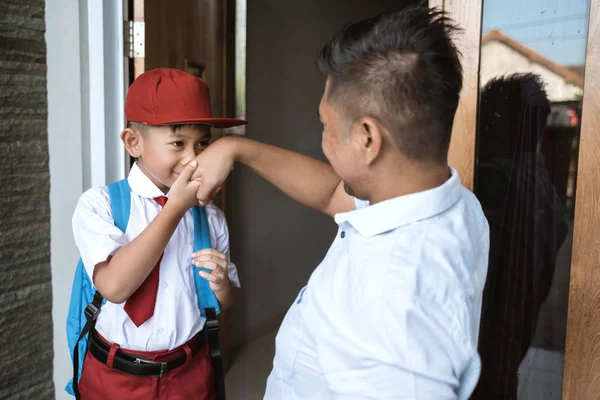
x=218 y=278
x=214 y=165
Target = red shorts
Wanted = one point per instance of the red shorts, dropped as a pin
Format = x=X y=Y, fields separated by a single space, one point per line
x=193 y=380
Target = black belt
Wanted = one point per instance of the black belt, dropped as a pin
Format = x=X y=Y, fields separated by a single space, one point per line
x=137 y=365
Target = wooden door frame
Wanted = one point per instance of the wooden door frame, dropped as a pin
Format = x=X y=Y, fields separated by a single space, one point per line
x=468 y=15
x=582 y=350
x=139 y=60
x=581 y=375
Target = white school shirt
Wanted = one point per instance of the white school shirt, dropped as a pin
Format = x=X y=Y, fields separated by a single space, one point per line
x=176 y=316
x=393 y=310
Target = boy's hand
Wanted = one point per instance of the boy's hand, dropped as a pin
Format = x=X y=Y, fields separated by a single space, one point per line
x=182 y=195
x=216 y=262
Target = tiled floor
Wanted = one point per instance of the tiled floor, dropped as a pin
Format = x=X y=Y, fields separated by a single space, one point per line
x=540 y=375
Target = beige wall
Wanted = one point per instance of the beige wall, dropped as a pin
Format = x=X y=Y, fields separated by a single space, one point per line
x=275 y=242
x=499 y=59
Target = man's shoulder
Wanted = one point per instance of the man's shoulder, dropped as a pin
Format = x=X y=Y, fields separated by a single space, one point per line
x=433 y=260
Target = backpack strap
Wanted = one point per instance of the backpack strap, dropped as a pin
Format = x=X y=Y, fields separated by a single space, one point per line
x=207 y=301
x=91 y=313
x=206 y=297
x=212 y=336
x=120 y=200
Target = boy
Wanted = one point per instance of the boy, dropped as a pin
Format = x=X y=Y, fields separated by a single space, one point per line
x=145 y=274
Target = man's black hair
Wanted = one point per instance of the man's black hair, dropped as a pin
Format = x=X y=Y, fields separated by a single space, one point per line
x=402 y=69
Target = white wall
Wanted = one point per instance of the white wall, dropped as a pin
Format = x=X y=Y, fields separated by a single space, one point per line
x=115 y=81
x=66 y=173
x=85 y=116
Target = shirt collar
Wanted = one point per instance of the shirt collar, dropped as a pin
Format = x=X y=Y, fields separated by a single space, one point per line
x=400 y=211
x=142 y=185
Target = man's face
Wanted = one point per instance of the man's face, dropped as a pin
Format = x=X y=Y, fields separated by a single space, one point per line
x=337 y=143
x=163 y=150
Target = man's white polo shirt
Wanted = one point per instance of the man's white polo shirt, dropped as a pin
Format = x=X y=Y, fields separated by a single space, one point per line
x=393 y=310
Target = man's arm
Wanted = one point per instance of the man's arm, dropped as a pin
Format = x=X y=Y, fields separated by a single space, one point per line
x=304 y=179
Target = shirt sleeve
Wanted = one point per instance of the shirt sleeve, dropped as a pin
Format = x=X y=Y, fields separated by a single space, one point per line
x=406 y=349
x=94 y=230
x=219 y=236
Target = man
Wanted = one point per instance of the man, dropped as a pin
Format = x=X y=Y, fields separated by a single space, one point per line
x=393 y=310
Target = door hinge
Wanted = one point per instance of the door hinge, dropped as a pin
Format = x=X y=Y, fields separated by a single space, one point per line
x=135 y=39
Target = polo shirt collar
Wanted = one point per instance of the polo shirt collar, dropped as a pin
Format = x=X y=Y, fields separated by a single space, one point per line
x=142 y=185
x=401 y=211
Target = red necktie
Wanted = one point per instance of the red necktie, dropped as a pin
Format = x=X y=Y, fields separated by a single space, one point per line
x=140 y=305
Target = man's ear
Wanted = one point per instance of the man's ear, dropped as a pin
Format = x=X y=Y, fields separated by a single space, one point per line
x=369 y=136
x=131 y=139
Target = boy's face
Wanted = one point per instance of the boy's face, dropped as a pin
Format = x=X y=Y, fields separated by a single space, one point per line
x=162 y=150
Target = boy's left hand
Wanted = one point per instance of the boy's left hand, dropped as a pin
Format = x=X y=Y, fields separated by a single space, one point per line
x=216 y=262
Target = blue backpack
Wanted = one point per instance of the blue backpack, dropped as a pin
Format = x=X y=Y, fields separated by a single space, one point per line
x=86 y=301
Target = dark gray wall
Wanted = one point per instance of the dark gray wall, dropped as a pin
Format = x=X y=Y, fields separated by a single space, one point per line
x=275 y=242
x=25 y=289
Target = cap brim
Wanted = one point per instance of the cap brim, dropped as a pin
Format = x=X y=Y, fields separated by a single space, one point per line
x=214 y=122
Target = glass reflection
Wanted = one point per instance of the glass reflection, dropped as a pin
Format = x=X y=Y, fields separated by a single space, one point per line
x=527 y=147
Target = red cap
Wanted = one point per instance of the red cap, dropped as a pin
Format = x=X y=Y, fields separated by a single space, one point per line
x=165 y=96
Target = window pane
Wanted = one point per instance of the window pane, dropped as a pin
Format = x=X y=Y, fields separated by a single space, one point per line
x=531 y=78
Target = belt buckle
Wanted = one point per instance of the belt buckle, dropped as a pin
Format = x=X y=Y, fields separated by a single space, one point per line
x=163 y=365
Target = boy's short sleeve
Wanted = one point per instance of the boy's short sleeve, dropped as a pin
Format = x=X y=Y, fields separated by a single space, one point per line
x=219 y=235
x=95 y=233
